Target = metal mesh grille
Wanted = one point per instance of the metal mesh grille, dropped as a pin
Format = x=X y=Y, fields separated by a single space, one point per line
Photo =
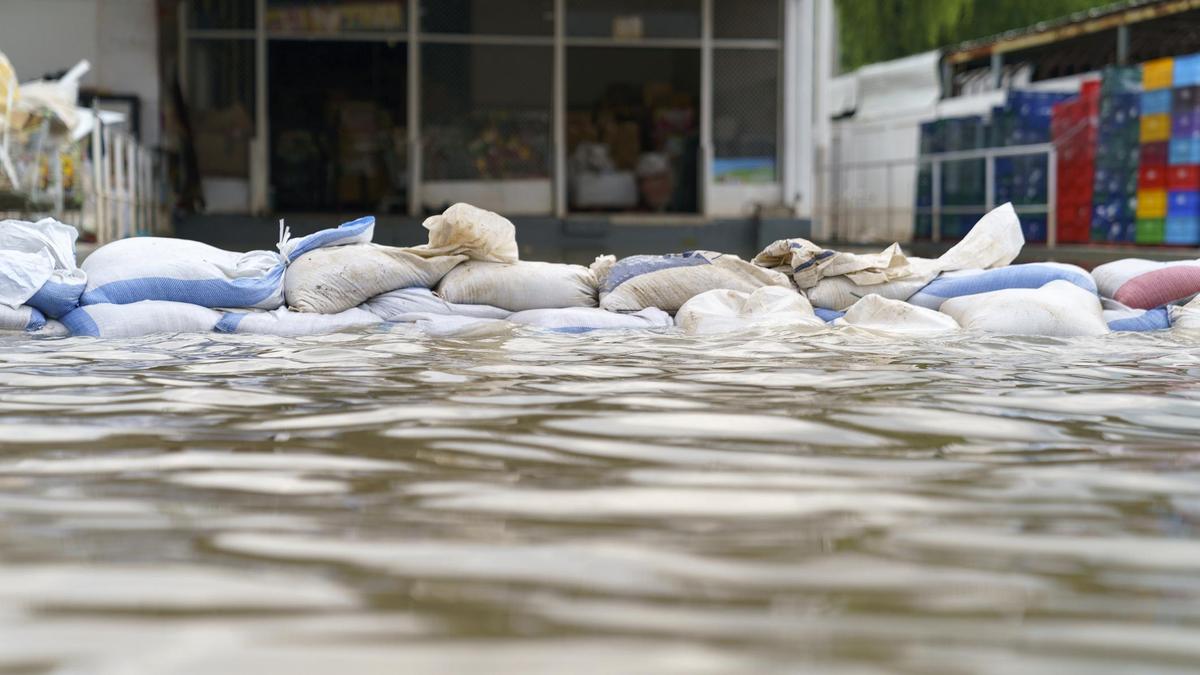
x=633 y=18
x=746 y=19
x=745 y=114
x=221 y=15
x=488 y=17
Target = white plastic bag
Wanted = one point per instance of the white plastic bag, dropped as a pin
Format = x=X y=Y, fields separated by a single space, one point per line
x=37 y=266
x=878 y=314
x=728 y=310
x=519 y=286
x=1058 y=309
x=332 y=280
x=20 y=318
x=586 y=319
x=140 y=318
x=179 y=270
x=476 y=233
x=399 y=304
x=287 y=323
x=669 y=281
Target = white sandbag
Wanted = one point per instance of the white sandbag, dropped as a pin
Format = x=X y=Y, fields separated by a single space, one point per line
x=52 y=329
x=37 y=266
x=179 y=270
x=20 y=318
x=728 y=310
x=1058 y=309
x=476 y=233
x=839 y=293
x=140 y=318
x=1146 y=284
x=586 y=319
x=359 y=231
x=287 y=323
x=399 y=304
x=882 y=315
x=669 y=281
x=1185 y=318
x=972 y=282
x=519 y=286
x=1122 y=319
x=443 y=325
x=332 y=280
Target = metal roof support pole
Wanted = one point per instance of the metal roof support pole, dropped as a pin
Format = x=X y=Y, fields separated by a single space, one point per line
x=1123 y=44
x=947 y=79
x=997 y=70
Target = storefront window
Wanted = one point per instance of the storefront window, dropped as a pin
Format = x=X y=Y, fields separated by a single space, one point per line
x=745 y=115
x=488 y=17
x=221 y=15
x=633 y=19
x=221 y=106
x=746 y=19
x=486 y=112
x=308 y=17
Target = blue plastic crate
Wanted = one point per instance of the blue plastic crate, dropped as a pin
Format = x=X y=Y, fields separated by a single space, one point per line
x=1156 y=102
x=1034 y=228
x=1182 y=230
x=1184 y=151
x=1187 y=71
x=1183 y=204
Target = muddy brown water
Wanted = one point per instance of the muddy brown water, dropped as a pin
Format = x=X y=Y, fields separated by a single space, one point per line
x=383 y=502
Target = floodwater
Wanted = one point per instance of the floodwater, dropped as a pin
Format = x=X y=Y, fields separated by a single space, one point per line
x=770 y=502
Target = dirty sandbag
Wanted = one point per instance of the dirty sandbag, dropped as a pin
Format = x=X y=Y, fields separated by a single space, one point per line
x=972 y=282
x=52 y=329
x=359 y=231
x=839 y=293
x=669 y=281
x=1185 y=317
x=725 y=310
x=179 y=270
x=519 y=286
x=1146 y=284
x=1058 y=309
x=37 y=266
x=448 y=326
x=587 y=319
x=20 y=318
x=878 y=314
x=286 y=323
x=995 y=241
x=469 y=230
x=140 y=318
x=332 y=280
x=402 y=303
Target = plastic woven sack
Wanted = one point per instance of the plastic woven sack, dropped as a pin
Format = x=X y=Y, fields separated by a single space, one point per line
x=974 y=282
x=332 y=280
x=519 y=286
x=1058 y=309
x=587 y=319
x=140 y=318
x=284 y=322
x=724 y=310
x=669 y=281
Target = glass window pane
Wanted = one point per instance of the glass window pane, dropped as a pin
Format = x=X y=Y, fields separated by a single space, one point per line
x=488 y=17
x=745 y=115
x=221 y=15
x=332 y=17
x=486 y=111
x=633 y=18
x=746 y=19
x=221 y=105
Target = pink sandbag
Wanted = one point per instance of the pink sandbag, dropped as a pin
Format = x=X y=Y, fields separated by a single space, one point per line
x=1146 y=284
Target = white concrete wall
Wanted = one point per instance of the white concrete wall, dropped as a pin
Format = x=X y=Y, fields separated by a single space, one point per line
x=119 y=37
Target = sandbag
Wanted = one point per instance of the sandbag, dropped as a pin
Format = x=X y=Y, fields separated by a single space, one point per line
x=1128 y=320
x=21 y=318
x=445 y=325
x=52 y=329
x=586 y=319
x=669 y=281
x=468 y=230
x=828 y=315
x=1185 y=317
x=359 y=231
x=1058 y=309
x=400 y=304
x=332 y=280
x=839 y=293
x=1146 y=284
x=725 y=310
x=287 y=323
x=519 y=286
x=972 y=282
x=37 y=266
x=179 y=270
x=879 y=314
x=140 y=318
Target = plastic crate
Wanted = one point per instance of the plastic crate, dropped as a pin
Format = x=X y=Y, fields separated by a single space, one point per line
x=1156 y=102
x=1150 y=231
x=1152 y=178
x=1155 y=128
x=1181 y=204
x=1186 y=70
x=1158 y=74
x=1182 y=231
x=1152 y=203
x=1184 y=151
x=1183 y=177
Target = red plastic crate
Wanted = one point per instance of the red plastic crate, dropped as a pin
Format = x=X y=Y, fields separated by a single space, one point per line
x=1183 y=177
x=1154 y=154
x=1152 y=177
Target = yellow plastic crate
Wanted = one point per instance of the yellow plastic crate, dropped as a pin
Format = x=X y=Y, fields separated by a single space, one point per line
x=1155 y=128
x=1151 y=204
x=1157 y=74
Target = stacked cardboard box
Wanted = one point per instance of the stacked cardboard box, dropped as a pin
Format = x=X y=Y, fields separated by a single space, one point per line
x=1114 y=191
x=1182 y=224
x=1074 y=125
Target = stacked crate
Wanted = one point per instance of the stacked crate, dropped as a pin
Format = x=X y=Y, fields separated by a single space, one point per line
x=1114 y=189
x=963 y=180
x=1025 y=119
x=1154 y=132
x=1182 y=224
x=1073 y=127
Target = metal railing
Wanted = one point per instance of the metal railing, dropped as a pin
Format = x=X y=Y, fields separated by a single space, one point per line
x=832 y=191
x=126 y=195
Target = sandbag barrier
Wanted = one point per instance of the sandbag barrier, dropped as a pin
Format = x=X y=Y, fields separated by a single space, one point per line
x=468 y=280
